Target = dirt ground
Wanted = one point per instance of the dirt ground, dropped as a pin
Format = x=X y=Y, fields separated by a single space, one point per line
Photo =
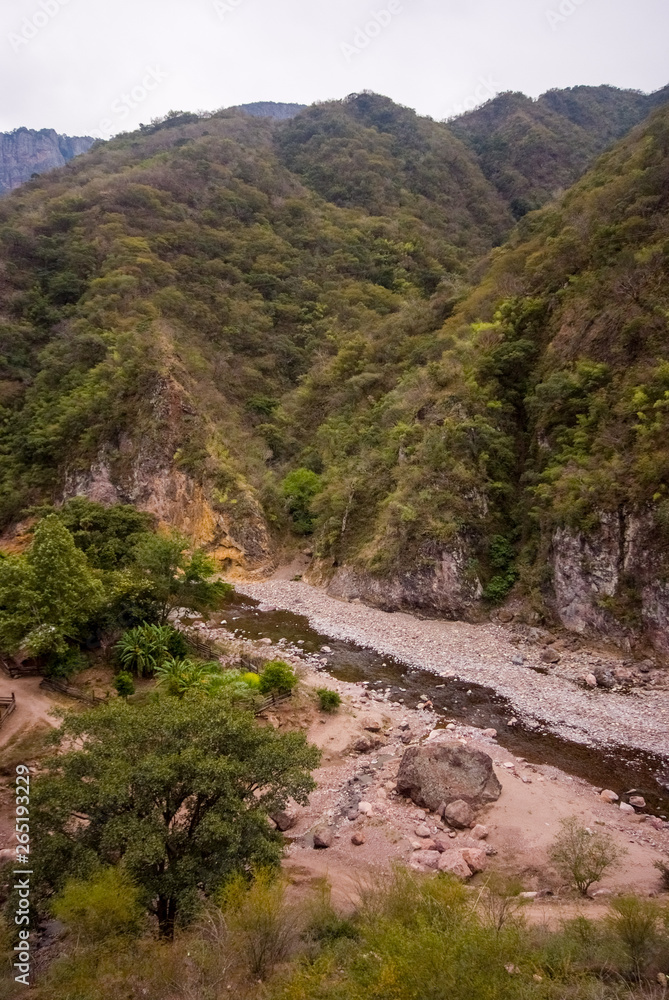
x=521 y=824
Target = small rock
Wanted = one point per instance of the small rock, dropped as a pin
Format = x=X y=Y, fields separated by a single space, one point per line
x=426 y=859
x=325 y=649
x=608 y=795
x=475 y=858
x=518 y=660
x=459 y=814
x=323 y=838
x=266 y=642
x=455 y=864
x=626 y=807
x=590 y=681
x=479 y=832
x=366 y=743
x=528 y=895
x=353 y=814
x=286 y=819
x=372 y=723
x=492 y=733
x=550 y=656
x=638 y=802
x=505 y=616
x=365 y=808
x=423 y=830
x=656 y=823
x=358 y=838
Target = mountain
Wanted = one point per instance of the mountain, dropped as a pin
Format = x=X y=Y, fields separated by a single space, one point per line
x=25 y=152
x=533 y=150
x=260 y=328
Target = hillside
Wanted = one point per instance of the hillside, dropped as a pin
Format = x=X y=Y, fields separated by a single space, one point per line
x=161 y=295
x=257 y=329
x=532 y=150
x=25 y=152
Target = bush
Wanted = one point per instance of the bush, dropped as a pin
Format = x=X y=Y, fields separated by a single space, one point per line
x=299 y=489
x=663 y=869
x=252 y=680
x=635 y=923
x=124 y=684
x=260 y=920
x=582 y=857
x=329 y=700
x=143 y=649
x=106 y=905
x=277 y=678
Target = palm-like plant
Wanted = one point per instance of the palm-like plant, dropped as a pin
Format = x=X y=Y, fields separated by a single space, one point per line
x=143 y=649
x=185 y=676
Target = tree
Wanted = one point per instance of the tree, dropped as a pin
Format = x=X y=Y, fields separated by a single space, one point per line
x=124 y=684
x=48 y=596
x=277 y=677
x=582 y=857
x=178 y=791
x=107 y=535
x=299 y=489
x=179 y=579
x=144 y=649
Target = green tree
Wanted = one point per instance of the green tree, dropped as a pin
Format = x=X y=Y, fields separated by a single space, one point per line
x=582 y=857
x=299 y=489
x=180 y=578
x=144 y=649
x=277 y=677
x=48 y=596
x=179 y=791
x=124 y=684
x=107 y=535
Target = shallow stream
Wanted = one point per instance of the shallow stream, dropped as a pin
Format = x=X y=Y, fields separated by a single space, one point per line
x=622 y=769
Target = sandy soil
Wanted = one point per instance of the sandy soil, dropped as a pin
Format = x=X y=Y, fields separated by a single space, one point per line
x=492 y=655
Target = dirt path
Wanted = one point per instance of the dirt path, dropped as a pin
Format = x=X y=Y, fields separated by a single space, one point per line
x=33 y=707
x=485 y=654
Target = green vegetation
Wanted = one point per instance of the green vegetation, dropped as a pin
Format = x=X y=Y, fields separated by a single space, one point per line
x=176 y=792
x=582 y=857
x=329 y=701
x=277 y=678
x=124 y=684
x=410 y=937
x=299 y=489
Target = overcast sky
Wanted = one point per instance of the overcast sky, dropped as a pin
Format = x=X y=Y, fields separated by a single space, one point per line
x=87 y=66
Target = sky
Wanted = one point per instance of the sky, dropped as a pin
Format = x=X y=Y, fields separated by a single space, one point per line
x=99 y=67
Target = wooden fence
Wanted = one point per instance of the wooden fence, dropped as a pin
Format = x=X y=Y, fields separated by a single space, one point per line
x=7 y=706
x=15 y=670
x=62 y=687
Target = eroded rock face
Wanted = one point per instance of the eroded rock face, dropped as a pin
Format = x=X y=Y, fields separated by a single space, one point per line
x=448 y=773
x=143 y=473
x=621 y=559
x=441 y=584
x=25 y=152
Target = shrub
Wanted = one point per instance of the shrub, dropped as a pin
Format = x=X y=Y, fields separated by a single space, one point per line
x=329 y=700
x=143 y=649
x=635 y=922
x=105 y=905
x=299 y=489
x=182 y=677
x=582 y=857
x=277 y=678
x=252 y=680
x=124 y=684
x=260 y=919
x=663 y=869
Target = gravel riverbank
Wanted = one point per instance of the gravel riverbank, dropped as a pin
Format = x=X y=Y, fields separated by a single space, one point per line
x=484 y=654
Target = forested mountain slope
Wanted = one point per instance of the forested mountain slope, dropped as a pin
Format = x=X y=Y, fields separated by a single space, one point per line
x=533 y=150
x=257 y=328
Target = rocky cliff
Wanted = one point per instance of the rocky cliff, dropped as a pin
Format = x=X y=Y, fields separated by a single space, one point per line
x=25 y=152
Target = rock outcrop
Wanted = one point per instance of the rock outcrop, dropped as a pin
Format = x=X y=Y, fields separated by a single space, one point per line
x=437 y=775
x=613 y=582
x=25 y=152
x=439 y=583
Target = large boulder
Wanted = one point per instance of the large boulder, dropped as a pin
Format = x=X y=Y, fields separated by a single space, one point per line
x=433 y=775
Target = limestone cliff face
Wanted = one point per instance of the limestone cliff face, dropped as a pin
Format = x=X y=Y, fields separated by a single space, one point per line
x=614 y=582
x=142 y=471
x=439 y=584
x=25 y=152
